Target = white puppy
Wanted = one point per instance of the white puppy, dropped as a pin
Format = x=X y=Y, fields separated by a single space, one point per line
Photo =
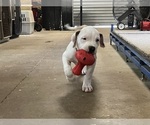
x=88 y=38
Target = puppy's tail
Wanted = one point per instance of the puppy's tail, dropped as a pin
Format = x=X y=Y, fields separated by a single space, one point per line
x=68 y=27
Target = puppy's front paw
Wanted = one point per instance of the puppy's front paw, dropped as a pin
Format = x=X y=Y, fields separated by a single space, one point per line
x=69 y=75
x=87 y=88
x=71 y=78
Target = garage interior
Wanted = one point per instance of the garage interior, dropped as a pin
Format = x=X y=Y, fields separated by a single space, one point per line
x=33 y=84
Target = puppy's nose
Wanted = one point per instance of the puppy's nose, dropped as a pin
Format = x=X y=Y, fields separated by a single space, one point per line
x=91 y=49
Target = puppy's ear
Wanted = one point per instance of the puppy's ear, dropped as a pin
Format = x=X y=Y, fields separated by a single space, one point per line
x=74 y=38
x=101 y=41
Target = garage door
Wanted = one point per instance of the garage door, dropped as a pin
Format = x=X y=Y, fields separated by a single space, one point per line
x=95 y=12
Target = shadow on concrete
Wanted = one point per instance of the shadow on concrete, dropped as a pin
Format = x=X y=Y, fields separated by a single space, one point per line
x=79 y=104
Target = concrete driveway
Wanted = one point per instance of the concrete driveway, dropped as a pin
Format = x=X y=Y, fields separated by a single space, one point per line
x=33 y=85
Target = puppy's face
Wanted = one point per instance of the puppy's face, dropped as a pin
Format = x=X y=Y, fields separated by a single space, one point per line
x=88 y=39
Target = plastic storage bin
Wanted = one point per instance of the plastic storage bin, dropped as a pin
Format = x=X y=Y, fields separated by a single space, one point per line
x=27 y=22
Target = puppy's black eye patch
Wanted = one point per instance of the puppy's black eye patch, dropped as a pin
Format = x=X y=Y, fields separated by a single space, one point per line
x=84 y=38
x=97 y=40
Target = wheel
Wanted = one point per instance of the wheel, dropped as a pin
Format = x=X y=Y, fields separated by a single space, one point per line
x=120 y=26
x=38 y=27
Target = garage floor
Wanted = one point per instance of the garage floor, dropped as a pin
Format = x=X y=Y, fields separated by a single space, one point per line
x=33 y=85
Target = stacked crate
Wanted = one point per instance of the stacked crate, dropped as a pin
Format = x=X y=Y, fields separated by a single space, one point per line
x=27 y=17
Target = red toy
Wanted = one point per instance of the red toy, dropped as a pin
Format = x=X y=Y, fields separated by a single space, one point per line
x=84 y=58
x=145 y=25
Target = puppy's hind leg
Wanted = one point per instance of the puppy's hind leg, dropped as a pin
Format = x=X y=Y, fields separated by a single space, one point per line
x=67 y=69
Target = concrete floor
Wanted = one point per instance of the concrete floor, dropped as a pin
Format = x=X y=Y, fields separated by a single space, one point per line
x=33 y=85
